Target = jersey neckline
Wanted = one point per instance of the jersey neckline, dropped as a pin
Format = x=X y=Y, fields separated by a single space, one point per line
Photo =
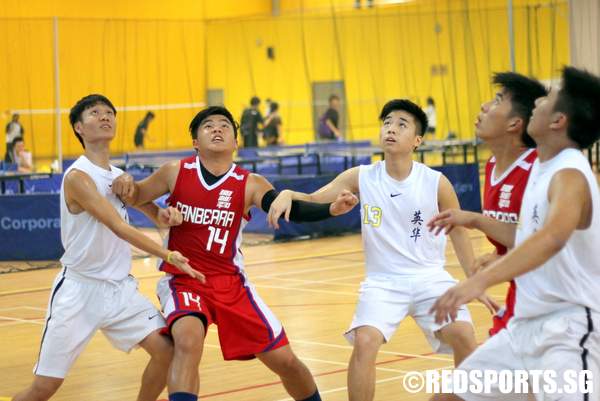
x=514 y=165
x=216 y=184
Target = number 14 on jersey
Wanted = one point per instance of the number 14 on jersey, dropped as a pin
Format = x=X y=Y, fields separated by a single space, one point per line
x=215 y=237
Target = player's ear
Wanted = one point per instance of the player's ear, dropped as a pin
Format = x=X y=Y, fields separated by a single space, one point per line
x=418 y=141
x=515 y=124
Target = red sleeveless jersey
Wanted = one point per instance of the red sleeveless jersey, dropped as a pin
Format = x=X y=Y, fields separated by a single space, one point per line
x=502 y=197
x=213 y=220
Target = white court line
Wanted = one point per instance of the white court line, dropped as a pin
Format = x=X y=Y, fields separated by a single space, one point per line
x=346 y=365
x=14 y=319
x=389 y=379
x=318 y=269
x=349 y=347
x=22 y=307
x=277 y=287
x=342 y=278
x=354 y=294
x=301 y=281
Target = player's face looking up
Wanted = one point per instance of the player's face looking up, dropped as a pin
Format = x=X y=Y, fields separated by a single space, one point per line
x=399 y=132
x=97 y=123
x=494 y=116
x=543 y=114
x=216 y=134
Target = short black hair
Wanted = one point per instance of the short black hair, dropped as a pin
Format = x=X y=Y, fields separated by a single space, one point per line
x=83 y=104
x=211 y=111
x=254 y=101
x=149 y=115
x=409 y=107
x=273 y=106
x=333 y=97
x=579 y=99
x=430 y=101
x=523 y=92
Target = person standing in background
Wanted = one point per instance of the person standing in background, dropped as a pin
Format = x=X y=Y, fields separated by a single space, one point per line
x=330 y=120
x=251 y=123
x=272 y=130
x=431 y=116
x=142 y=130
x=21 y=156
x=14 y=130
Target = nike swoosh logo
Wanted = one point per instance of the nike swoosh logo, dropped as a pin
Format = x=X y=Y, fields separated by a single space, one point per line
x=152 y=317
x=394 y=195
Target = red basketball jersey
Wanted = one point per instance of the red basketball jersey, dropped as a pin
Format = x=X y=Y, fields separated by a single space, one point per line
x=213 y=220
x=502 y=197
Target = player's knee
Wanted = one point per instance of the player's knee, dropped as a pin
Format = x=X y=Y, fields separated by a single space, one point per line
x=42 y=390
x=367 y=342
x=460 y=337
x=188 y=343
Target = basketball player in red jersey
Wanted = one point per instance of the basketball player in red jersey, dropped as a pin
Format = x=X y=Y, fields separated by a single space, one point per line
x=502 y=125
x=214 y=196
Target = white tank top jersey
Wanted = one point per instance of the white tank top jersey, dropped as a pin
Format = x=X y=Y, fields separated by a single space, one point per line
x=91 y=249
x=394 y=213
x=572 y=276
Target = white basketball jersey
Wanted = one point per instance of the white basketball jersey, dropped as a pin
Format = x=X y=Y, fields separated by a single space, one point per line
x=91 y=249
x=394 y=214
x=572 y=276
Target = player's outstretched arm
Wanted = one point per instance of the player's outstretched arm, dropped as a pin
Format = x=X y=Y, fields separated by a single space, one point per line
x=459 y=236
x=81 y=192
x=147 y=190
x=448 y=219
x=345 y=183
x=262 y=195
x=569 y=209
x=161 y=217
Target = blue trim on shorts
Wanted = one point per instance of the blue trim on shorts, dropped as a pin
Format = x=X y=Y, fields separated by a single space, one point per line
x=174 y=293
x=60 y=283
x=585 y=351
x=257 y=309
x=277 y=341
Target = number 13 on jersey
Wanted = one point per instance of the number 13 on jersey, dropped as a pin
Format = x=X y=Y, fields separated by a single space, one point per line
x=372 y=215
x=216 y=238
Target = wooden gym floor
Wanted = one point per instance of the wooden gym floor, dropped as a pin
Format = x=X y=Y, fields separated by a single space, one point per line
x=310 y=285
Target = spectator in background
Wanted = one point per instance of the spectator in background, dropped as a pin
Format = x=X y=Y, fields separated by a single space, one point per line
x=268 y=102
x=21 y=156
x=272 y=130
x=141 y=130
x=329 y=121
x=431 y=116
x=251 y=123
x=14 y=130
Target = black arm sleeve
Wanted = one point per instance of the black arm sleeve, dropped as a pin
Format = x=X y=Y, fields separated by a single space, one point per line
x=301 y=211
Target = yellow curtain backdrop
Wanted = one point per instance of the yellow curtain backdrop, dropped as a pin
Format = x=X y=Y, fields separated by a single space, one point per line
x=164 y=56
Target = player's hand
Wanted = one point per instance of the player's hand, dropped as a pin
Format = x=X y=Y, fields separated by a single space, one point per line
x=170 y=216
x=345 y=202
x=484 y=261
x=124 y=187
x=489 y=303
x=449 y=219
x=181 y=262
x=282 y=205
x=446 y=307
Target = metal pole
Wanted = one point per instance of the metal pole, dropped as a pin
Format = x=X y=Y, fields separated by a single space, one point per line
x=57 y=97
x=511 y=35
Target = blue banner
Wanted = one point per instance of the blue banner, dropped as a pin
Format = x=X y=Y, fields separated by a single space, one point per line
x=30 y=227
